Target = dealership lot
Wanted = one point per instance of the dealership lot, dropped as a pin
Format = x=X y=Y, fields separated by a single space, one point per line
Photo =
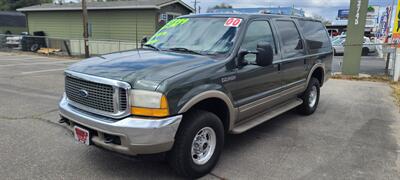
x=355 y=133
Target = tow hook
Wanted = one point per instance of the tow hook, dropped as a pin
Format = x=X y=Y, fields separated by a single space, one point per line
x=63 y=120
x=109 y=140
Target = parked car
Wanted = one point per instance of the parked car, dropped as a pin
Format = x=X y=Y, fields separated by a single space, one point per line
x=35 y=42
x=197 y=79
x=339 y=41
x=15 y=40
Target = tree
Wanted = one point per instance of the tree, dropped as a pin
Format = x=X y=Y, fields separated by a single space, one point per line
x=371 y=9
x=12 y=5
x=322 y=19
x=222 y=6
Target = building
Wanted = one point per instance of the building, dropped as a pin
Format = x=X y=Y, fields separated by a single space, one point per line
x=371 y=24
x=113 y=26
x=107 y=20
x=272 y=10
x=12 y=22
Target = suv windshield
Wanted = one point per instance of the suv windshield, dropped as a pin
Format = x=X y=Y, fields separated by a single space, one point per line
x=196 y=35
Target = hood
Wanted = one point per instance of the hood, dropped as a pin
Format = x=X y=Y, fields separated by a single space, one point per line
x=143 y=69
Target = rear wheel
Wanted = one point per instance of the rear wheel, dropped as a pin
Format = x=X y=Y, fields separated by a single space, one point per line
x=35 y=47
x=310 y=98
x=198 y=144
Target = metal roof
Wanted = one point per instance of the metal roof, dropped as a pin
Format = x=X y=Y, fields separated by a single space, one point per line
x=12 y=19
x=132 y=4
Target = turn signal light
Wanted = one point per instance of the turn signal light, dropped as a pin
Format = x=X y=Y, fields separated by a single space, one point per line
x=163 y=111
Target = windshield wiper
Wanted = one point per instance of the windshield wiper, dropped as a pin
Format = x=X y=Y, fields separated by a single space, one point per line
x=180 y=49
x=152 y=46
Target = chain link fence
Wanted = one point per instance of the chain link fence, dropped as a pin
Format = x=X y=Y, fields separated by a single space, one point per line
x=376 y=58
x=62 y=46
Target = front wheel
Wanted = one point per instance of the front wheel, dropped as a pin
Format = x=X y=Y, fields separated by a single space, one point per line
x=198 y=144
x=310 y=98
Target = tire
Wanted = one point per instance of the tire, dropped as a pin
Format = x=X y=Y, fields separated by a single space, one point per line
x=35 y=47
x=365 y=51
x=181 y=156
x=310 y=99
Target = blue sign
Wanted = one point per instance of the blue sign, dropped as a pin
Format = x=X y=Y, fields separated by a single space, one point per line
x=343 y=13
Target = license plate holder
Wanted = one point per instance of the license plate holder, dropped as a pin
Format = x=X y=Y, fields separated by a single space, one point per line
x=82 y=135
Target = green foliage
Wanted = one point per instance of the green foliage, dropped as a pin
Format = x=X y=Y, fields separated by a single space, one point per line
x=12 y=5
x=222 y=6
x=371 y=9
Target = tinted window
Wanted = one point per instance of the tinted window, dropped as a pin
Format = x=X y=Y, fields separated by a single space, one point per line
x=202 y=35
x=316 y=36
x=292 y=46
x=258 y=31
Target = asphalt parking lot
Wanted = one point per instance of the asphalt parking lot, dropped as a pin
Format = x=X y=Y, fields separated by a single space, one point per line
x=372 y=65
x=355 y=134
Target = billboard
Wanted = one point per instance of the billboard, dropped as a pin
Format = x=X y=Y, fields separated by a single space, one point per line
x=343 y=13
x=396 y=27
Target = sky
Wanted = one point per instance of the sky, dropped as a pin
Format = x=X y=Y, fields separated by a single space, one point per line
x=325 y=8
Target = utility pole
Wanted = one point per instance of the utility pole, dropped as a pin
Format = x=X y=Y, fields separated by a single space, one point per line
x=354 y=37
x=85 y=28
x=195 y=6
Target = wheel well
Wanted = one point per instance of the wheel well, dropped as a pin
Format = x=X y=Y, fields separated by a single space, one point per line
x=216 y=106
x=319 y=74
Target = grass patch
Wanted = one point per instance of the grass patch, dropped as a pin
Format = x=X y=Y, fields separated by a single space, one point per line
x=396 y=92
x=375 y=78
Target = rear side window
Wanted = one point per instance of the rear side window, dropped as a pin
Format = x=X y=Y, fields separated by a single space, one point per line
x=292 y=45
x=316 y=36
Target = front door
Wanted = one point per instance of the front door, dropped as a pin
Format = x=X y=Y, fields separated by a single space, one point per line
x=254 y=83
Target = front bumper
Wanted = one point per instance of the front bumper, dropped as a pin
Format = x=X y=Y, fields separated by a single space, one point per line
x=138 y=135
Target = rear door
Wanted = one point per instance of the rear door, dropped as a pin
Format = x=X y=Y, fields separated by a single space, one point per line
x=293 y=61
x=318 y=44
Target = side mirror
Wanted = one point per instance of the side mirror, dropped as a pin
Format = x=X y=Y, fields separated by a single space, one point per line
x=265 y=54
x=144 y=41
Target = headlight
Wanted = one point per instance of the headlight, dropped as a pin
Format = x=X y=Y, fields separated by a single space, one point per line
x=148 y=103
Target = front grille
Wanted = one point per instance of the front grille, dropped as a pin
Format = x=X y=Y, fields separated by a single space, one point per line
x=99 y=96
x=123 y=102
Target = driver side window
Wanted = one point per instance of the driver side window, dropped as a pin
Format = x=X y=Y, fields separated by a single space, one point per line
x=258 y=31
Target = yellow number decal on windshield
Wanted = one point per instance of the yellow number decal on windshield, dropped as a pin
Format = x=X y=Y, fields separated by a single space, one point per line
x=171 y=24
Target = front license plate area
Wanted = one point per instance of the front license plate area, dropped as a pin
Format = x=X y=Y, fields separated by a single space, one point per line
x=82 y=135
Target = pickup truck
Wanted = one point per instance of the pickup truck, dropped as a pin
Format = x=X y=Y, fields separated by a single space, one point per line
x=197 y=79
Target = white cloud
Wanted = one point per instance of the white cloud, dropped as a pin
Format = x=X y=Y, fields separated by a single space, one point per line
x=326 y=8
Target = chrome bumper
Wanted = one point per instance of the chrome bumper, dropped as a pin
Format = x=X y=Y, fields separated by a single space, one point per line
x=137 y=135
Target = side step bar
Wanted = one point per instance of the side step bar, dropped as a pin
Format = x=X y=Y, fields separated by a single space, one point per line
x=280 y=109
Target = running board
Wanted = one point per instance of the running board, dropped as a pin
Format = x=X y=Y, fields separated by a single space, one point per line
x=267 y=116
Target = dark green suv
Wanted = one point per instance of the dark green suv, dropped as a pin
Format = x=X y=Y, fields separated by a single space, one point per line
x=197 y=79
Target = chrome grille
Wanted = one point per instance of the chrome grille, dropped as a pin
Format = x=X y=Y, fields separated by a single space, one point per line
x=123 y=101
x=102 y=96
x=99 y=96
